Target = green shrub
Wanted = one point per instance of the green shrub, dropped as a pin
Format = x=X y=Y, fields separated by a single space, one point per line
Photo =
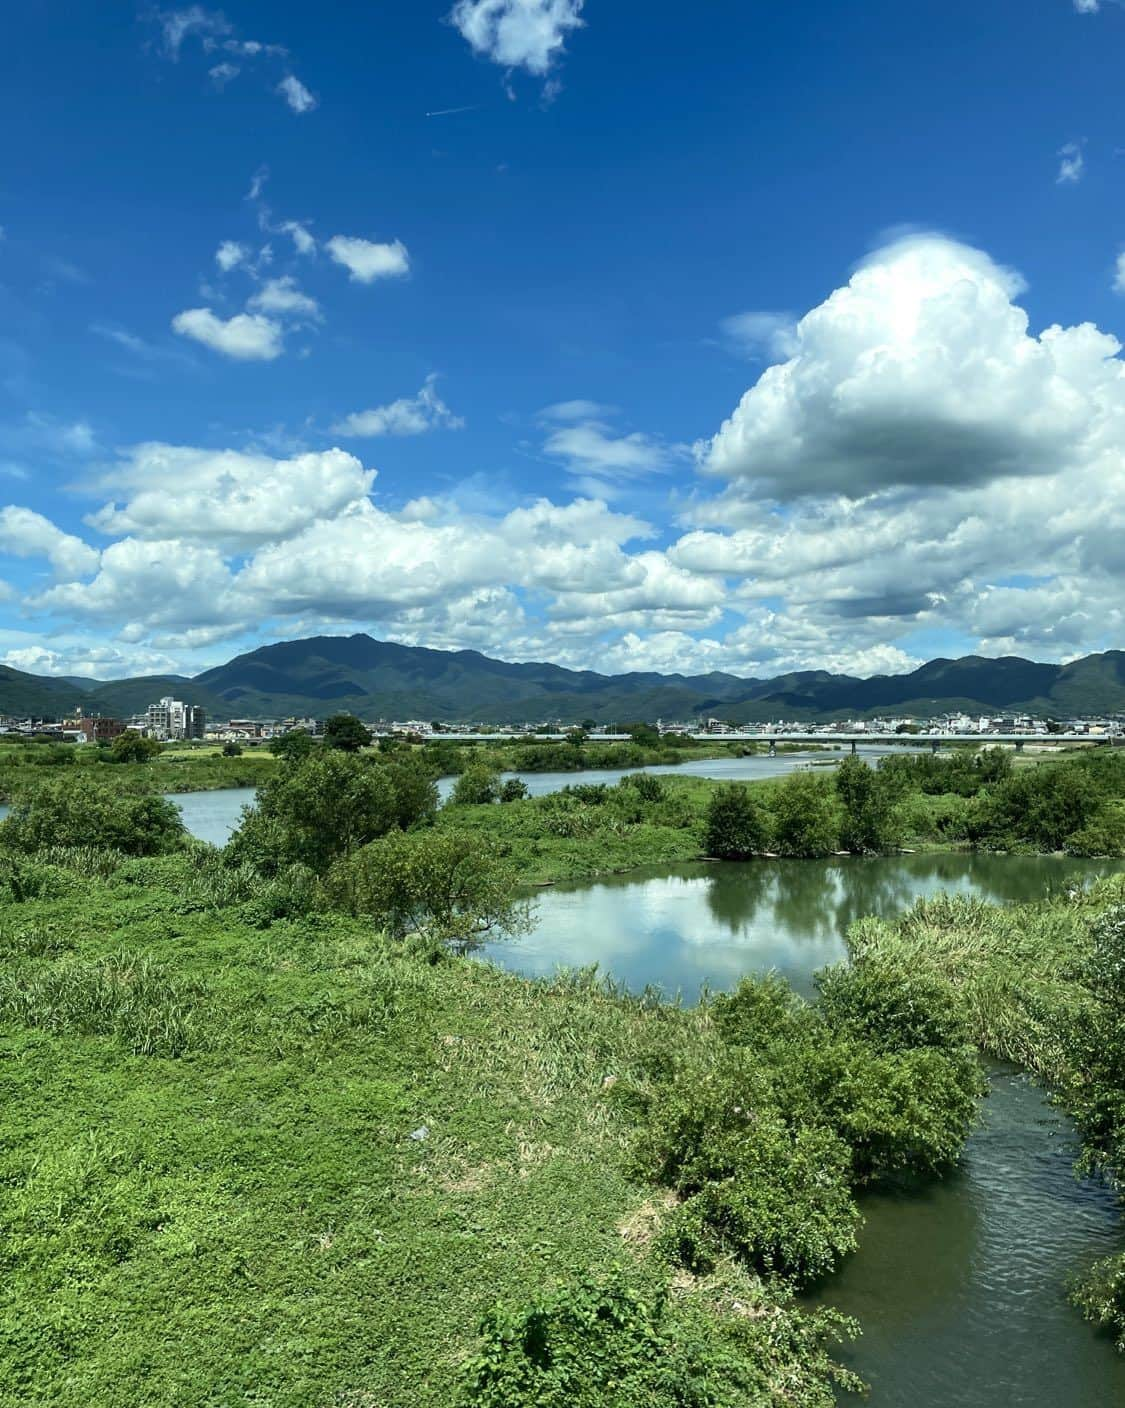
x=478 y=785
x=737 y=825
x=870 y=824
x=436 y=883
x=806 y=819
x=327 y=804
x=615 y=1342
x=87 y=812
x=646 y=786
x=513 y=790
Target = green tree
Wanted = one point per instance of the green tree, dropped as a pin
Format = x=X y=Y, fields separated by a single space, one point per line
x=84 y=811
x=805 y=816
x=297 y=743
x=439 y=884
x=737 y=825
x=513 y=790
x=345 y=732
x=316 y=809
x=133 y=747
x=477 y=785
x=231 y=749
x=870 y=821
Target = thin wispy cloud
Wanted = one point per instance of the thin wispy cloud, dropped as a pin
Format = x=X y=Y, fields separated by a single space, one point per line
x=217 y=37
x=1072 y=164
x=410 y=415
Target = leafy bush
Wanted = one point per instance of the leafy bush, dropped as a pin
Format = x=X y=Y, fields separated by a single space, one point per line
x=513 y=790
x=478 y=785
x=325 y=805
x=1040 y=807
x=646 y=786
x=806 y=818
x=436 y=883
x=737 y=825
x=345 y=732
x=597 y=1342
x=231 y=749
x=869 y=798
x=133 y=747
x=82 y=811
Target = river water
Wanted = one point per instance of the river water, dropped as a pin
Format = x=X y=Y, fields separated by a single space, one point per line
x=212 y=816
x=960 y=1289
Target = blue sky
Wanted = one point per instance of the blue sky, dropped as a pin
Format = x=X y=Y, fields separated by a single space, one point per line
x=750 y=336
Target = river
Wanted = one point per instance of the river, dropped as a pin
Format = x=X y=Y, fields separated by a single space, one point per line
x=212 y=816
x=961 y=1288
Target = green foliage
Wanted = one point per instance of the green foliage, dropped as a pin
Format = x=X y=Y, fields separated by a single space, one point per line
x=648 y=787
x=296 y=744
x=231 y=749
x=614 y=1339
x=1039 y=807
x=345 y=732
x=806 y=819
x=870 y=824
x=765 y=1135
x=126 y=996
x=478 y=785
x=963 y=771
x=326 y=805
x=513 y=790
x=133 y=747
x=80 y=810
x=737 y=825
x=434 y=883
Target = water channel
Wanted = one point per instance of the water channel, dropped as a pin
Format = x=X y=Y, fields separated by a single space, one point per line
x=961 y=1288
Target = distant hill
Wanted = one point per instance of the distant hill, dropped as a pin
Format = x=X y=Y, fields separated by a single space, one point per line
x=377 y=679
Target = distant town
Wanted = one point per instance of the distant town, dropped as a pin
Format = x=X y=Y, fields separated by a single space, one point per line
x=174 y=720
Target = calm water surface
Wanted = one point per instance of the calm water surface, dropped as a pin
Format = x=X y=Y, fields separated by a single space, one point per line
x=961 y=1288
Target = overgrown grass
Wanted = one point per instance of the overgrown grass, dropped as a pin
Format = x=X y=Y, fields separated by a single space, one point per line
x=1013 y=967
x=296 y=1165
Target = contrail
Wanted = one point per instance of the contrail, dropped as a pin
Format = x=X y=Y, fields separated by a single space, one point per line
x=448 y=112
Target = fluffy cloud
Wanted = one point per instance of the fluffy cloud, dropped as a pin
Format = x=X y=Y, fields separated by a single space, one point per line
x=24 y=533
x=296 y=94
x=283 y=296
x=921 y=371
x=225 y=496
x=1087 y=7
x=1119 y=273
x=230 y=254
x=410 y=415
x=247 y=337
x=367 y=261
x=528 y=34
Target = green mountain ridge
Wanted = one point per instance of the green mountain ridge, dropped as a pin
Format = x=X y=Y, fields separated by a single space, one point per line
x=381 y=680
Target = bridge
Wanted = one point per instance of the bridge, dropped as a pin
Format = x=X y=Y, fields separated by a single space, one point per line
x=856 y=740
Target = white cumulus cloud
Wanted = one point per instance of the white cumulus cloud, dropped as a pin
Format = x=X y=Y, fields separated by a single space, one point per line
x=409 y=415
x=366 y=260
x=296 y=94
x=284 y=296
x=247 y=337
x=528 y=34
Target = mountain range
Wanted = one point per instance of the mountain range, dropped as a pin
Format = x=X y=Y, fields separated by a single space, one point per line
x=380 y=680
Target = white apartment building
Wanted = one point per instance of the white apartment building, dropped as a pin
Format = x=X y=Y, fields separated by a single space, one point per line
x=172 y=718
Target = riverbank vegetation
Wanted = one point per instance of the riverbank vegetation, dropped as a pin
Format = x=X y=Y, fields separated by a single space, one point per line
x=300 y=1152
x=1042 y=985
x=267 y=1136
